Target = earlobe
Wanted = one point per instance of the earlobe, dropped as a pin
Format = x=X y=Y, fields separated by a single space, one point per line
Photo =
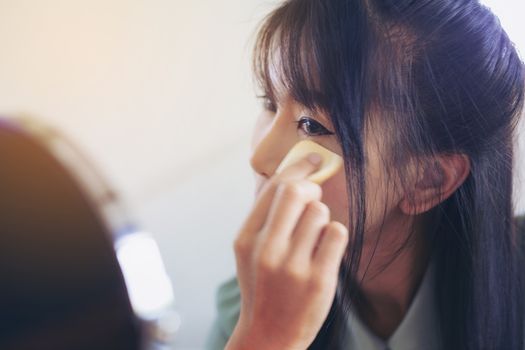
x=436 y=183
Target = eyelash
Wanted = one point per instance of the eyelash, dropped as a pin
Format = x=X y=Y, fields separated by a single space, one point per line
x=270 y=106
x=308 y=121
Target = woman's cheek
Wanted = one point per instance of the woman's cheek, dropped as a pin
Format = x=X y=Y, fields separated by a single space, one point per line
x=336 y=198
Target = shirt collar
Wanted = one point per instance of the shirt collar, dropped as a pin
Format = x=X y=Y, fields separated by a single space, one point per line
x=419 y=329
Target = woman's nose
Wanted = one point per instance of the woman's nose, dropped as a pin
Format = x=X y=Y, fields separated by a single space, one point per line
x=270 y=145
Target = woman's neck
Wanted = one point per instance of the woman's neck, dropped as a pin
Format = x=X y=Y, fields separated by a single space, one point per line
x=390 y=282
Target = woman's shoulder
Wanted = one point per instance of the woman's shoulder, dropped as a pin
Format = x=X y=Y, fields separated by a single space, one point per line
x=228 y=307
x=228 y=300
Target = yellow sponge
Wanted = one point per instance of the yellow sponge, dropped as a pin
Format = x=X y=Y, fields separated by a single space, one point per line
x=330 y=165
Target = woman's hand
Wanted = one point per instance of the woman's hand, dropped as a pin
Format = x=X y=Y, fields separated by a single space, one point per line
x=288 y=254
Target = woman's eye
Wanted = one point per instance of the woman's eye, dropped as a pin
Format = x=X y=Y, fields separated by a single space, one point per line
x=312 y=128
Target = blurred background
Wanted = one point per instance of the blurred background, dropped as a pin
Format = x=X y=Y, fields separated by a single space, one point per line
x=159 y=94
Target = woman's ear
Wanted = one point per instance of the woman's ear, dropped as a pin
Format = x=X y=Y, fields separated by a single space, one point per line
x=435 y=183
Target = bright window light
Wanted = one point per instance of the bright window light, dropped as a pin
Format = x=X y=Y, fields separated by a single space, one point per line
x=148 y=284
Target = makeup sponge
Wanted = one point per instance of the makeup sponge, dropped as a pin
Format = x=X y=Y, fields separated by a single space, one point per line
x=330 y=165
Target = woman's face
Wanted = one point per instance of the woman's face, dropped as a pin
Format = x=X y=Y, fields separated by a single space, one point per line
x=285 y=122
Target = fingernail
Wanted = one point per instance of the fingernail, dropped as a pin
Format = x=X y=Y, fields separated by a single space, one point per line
x=315 y=158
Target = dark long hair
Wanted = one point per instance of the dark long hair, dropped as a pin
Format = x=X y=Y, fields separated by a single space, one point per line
x=443 y=78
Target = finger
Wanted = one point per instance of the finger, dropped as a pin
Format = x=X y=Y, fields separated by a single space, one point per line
x=288 y=206
x=296 y=171
x=331 y=248
x=307 y=233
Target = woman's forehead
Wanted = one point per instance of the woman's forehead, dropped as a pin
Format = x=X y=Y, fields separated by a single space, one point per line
x=275 y=78
x=291 y=71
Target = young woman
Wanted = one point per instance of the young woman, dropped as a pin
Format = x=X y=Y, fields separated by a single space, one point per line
x=414 y=244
